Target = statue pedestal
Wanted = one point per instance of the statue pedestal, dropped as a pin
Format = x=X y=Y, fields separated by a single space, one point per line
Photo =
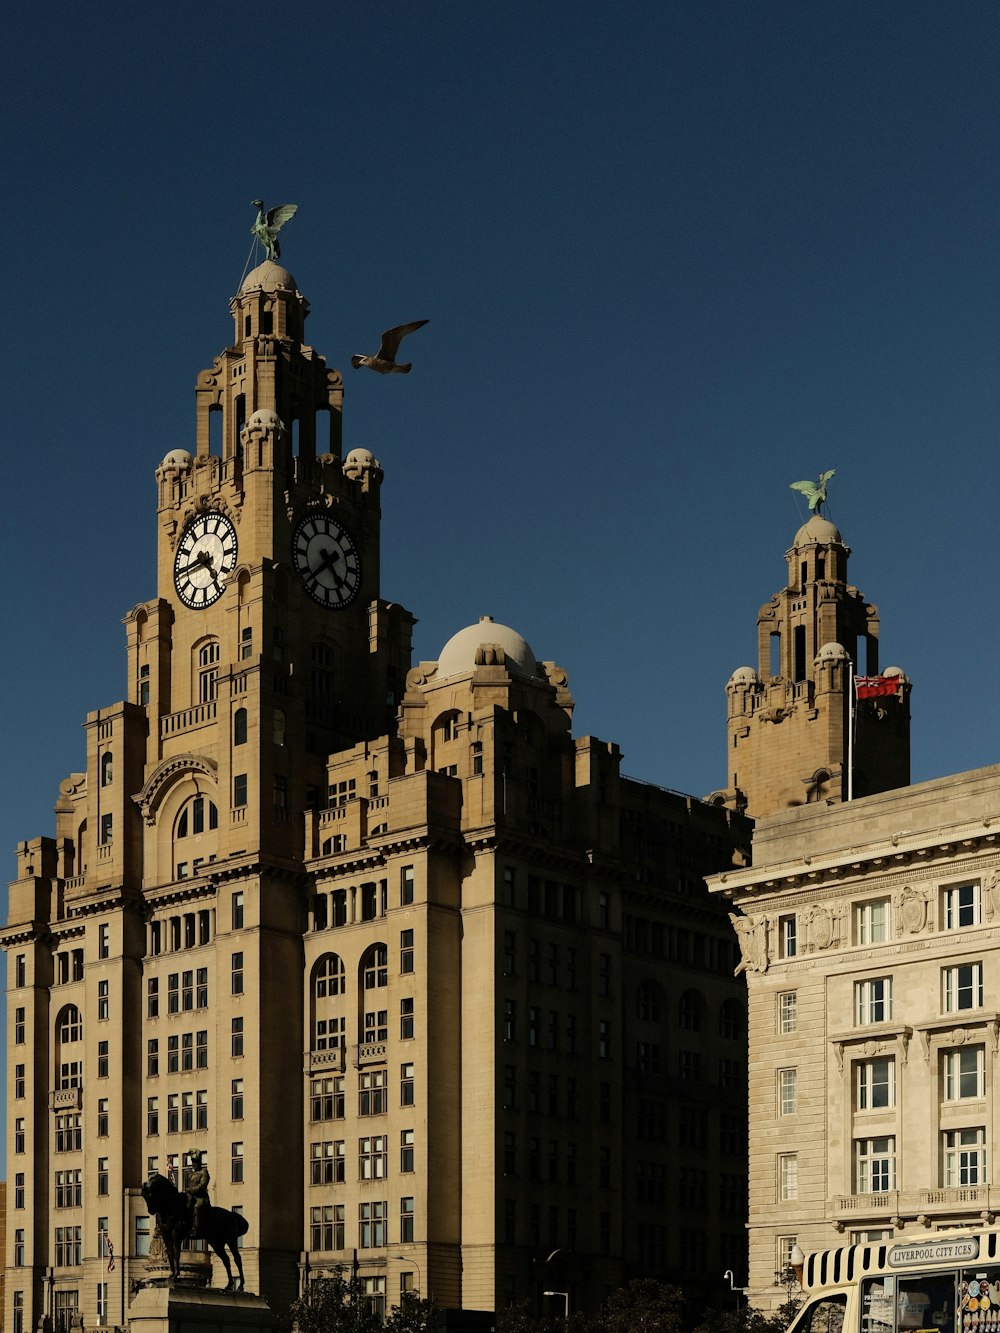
x=188 y=1309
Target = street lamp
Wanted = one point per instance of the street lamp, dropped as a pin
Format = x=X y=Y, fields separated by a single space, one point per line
x=409 y=1259
x=565 y=1297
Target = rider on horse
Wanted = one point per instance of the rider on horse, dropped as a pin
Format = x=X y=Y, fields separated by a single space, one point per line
x=196 y=1189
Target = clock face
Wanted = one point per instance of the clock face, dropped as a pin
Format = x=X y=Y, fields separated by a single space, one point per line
x=327 y=561
x=206 y=556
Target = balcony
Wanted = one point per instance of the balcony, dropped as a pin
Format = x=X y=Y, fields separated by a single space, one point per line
x=324 y=1062
x=188 y=719
x=66 y=1099
x=372 y=1053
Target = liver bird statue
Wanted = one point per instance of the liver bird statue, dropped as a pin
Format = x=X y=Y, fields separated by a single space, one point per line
x=814 y=491
x=268 y=225
x=384 y=360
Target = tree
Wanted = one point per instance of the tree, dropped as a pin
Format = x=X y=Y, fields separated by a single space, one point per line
x=413 y=1315
x=646 y=1305
x=335 y=1304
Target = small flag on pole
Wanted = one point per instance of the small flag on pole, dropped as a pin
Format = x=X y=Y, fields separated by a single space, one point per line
x=111 y=1256
x=870 y=687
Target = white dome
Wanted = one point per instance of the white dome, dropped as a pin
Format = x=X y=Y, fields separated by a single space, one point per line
x=269 y=276
x=265 y=417
x=177 y=458
x=358 y=460
x=743 y=675
x=818 y=529
x=832 y=652
x=897 y=673
x=461 y=652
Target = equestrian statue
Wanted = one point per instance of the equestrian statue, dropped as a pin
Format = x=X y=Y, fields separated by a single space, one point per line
x=191 y=1216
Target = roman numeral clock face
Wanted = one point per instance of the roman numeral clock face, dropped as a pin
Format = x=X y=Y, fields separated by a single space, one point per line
x=327 y=561
x=206 y=556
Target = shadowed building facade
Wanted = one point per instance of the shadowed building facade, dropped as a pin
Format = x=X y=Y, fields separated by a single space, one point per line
x=434 y=987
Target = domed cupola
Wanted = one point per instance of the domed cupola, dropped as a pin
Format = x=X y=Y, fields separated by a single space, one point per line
x=269 y=304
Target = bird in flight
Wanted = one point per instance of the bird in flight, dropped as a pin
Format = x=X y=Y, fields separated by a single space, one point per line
x=384 y=360
x=814 y=491
x=268 y=225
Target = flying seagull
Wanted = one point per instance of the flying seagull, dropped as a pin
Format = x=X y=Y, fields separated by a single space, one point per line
x=384 y=361
x=814 y=491
x=268 y=225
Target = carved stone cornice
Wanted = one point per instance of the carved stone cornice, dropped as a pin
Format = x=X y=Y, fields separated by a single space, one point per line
x=163 y=776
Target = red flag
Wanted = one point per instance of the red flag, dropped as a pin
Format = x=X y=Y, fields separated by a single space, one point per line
x=111 y=1256
x=870 y=687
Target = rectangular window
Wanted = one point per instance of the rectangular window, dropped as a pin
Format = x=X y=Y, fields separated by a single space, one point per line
x=788 y=1011
x=875 y=1165
x=236 y=1099
x=326 y=1098
x=102 y=1059
x=20 y=970
x=173 y=1053
x=406 y=886
x=19 y=1021
x=327 y=1162
x=201 y=989
x=788 y=1091
x=372 y=1157
x=104 y=941
x=873 y=1000
x=876 y=1084
x=19 y=1081
x=237 y=973
x=143 y=1228
x=201 y=1050
x=406 y=1018
x=237 y=911
x=372 y=1225
x=19 y=1134
x=406 y=1150
x=406 y=951
x=372 y=1093
x=962 y=987
x=788 y=1176
x=152 y=997
x=236 y=1163
x=19 y=1248
x=787 y=937
x=107 y=823
x=406 y=1220
x=174 y=993
x=965 y=1157
x=103 y=1002
x=964 y=1073
x=236 y=1039
x=201 y=1109
x=604 y=1039
x=406 y=1085
x=103 y=1116
x=326 y=1229
x=239 y=789
x=19 y=1189
x=152 y=1116
x=187 y=1051
x=962 y=906
x=153 y=1057
x=871 y=922
x=102 y=1175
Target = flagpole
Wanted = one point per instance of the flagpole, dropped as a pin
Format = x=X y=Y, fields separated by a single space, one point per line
x=850 y=735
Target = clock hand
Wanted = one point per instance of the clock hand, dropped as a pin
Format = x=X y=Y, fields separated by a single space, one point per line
x=327 y=559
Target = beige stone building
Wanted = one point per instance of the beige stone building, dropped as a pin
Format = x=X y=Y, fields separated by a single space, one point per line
x=436 y=989
x=869 y=934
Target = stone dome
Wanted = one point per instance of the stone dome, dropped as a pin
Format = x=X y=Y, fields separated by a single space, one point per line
x=896 y=673
x=359 y=459
x=818 y=529
x=460 y=652
x=177 y=458
x=269 y=276
x=832 y=652
x=265 y=417
x=743 y=675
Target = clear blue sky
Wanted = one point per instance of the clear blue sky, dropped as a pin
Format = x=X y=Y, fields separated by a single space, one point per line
x=675 y=255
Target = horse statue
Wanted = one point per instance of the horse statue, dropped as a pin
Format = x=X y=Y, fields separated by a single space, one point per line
x=175 y=1223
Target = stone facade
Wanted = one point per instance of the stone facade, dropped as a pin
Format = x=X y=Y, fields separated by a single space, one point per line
x=869 y=936
x=429 y=981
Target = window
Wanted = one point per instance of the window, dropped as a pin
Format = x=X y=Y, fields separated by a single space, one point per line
x=372 y=1225
x=236 y=1097
x=964 y=1073
x=786 y=1247
x=102 y=1117
x=375 y=967
x=406 y=1220
x=406 y=1018
x=406 y=951
x=787 y=937
x=152 y=997
x=201 y=992
x=327 y=1162
x=788 y=1091
x=871 y=922
x=201 y=1050
x=788 y=1176
x=142 y=1233
x=237 y=973
x=787 y=1011
x=236 y=1163
x=106 y=826
x=104 y=941
x=152 y=1116
x=246 y=643
x=19 y=1189
x=406 y=886
x=965 y=1157
x=70 y=1026
x=376 y=1025
x=20 y=970
x=604 y=1039
x=962 y=987
x=326 y=1227
x=237 y=910
x=326 y=1098
x=372 y=1092
x=962 y=906
x=372 y=1157
x=103 y=1002
x=69 y=1134
x=19 y=1248
x=236 y=1039
x=19 y=1134
x=873 y=1000
x=239 y=789
x=102 y=1059
x=201 y=1109
x=876 y=1083
x=69 y=1250
x=19 y=1081
x=406 y=1150
x=69 y=1188
x=144 y=685
x=19 y=1027
x=406 y=1085
x=102 y=1175
x=107 y=768
x=875 y=1169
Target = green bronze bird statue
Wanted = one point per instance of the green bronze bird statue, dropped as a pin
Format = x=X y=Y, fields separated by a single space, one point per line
x=268 y=225
x=814 y=491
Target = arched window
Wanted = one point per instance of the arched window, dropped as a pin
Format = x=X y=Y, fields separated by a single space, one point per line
x=649 y=1002
x=69 y=1025
x=691 y=1011
x=208 y=670
x=329 y=976
x=107 y=768
x=731 y=1020
x=447 y=726
x=240 y=727
x=196 y=816
x=375 y=967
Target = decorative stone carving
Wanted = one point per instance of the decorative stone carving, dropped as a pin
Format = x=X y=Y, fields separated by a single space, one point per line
x=752 y=936
x=911 y=910
x=992 y=896
x=820 y=923
x=163 y=775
